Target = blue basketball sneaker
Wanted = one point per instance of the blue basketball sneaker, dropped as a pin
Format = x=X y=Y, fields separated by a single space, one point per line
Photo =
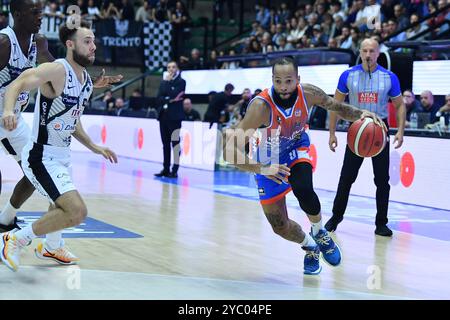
x=311 y=263
x=331 y=252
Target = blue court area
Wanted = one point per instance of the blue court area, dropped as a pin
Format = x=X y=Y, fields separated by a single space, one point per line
x=90 y=228
x=429 y=222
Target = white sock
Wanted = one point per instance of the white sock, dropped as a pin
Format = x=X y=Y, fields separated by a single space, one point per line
x=316 y=227
x=53 y=240
x=25 y=235
x=8 y=214
x=308 y=241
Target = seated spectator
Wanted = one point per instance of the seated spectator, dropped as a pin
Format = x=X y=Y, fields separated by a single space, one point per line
x=279 y=33
x=393 y=28
x=428 y=105
x=218 y=105
x=242 y=104
x=118 y=107
x=345 y=39
x=212 y=62
x=110 y=11
x=336 y=10
x=445 y=107
x=136 y=93
x=284 y=45
x=411 y=32
x=161 y=12
x=411 y=104
x=109 y=100
x=402 y=19
x=319 y=39
x=231 y=64
x=191 y=113
x=195 y=62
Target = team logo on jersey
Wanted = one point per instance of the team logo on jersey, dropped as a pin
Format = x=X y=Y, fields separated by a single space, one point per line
x=279 y=119
x=261 y=191
x=298 y=113
x=367 y=97
x=58 y=125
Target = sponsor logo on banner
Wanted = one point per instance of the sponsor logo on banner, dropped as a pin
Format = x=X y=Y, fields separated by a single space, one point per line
x=103 y=134
x=367 y=97
x=138 y=138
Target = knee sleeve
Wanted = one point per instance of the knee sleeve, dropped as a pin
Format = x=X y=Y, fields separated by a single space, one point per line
x=302 y=186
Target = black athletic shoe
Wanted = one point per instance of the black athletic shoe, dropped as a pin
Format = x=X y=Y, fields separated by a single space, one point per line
x=162 y=174
x=173 y=175
x=332 y=224
x=383 y=231
x=12 y=226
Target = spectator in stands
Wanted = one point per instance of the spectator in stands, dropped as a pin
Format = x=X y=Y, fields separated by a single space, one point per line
x=428 y=105
x=284 y=45
x=442 y=17
x=297 y=30
x=51 y=9
x=284 y=13
x=445 y=107
x=92 y=11
x=180 y=20
x=393 y=27
x=109 y=100
x=263 y=16
x=242 y=104
x=127 y=11
x=144 y=12
x=211 y=95
x=319 y=39
x=110 y=11
x=387 y=9
x=356 y=8
x=400 y=15
x=231 y=64
x=161 y=12
x=337 y=26
x=136 y=93
x=332 y=43
x=336 y=10
x=190 y=113
x=255 y=47
x=415 y=30
x=411 y=104
x=219 y=105
x=279 y=32
x=3 y=20
x=266 y=41
x=118 y=107
x=345 y=40
x=212 y=62
x=356 y=39
x=195 y=62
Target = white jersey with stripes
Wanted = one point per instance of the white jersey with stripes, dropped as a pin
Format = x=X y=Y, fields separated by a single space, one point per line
x=55 y=119
x=17 y=64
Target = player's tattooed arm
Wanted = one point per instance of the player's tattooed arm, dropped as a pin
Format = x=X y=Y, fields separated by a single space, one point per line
x=316 y=96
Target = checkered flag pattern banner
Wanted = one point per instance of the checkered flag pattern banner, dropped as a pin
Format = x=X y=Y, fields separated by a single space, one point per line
x=157 y=44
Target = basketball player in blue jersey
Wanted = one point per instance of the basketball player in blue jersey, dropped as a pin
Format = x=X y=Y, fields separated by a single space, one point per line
x=21 y=47
x=64 y=91
x=277 y=118
x=369 y=87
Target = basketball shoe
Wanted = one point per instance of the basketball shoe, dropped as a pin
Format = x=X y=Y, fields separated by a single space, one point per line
x=10 y=248
x=60 y=255
x=331 y=252
x=311 y=263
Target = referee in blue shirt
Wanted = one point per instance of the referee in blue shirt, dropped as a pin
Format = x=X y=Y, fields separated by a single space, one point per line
x=368 y=86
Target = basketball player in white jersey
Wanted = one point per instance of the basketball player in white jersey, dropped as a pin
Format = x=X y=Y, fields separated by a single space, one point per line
x=64 y=91
x=20 y=49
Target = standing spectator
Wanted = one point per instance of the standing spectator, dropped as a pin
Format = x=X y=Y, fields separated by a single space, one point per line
x=127 y=11
x=218 y=105
x=170 y=103
x=190 y=113
x=93 y=12
x=161 y=12
x=180 y=20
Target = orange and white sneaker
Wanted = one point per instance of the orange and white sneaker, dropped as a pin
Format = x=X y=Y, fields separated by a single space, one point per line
x=10 y=248
x=60 y=255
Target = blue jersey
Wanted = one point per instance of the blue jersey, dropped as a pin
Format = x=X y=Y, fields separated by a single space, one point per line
x=370 y=92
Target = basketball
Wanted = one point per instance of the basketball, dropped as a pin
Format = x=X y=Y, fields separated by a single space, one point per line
x=365 y=138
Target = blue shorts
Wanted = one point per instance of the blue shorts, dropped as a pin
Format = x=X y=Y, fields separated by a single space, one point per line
x=270 y=191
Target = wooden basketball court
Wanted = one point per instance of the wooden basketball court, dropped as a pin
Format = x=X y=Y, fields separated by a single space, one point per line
x=204 y=236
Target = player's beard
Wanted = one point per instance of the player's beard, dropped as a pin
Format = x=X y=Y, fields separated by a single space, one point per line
x=81 y=60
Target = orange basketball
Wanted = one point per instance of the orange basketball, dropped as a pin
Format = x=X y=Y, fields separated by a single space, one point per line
x=365 y=138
